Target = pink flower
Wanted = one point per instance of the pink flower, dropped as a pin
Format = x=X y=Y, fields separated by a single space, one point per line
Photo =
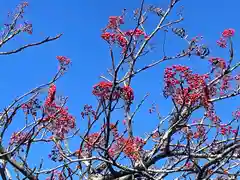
x=228 y=33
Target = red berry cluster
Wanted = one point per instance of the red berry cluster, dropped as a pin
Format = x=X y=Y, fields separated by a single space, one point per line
x=103 y=91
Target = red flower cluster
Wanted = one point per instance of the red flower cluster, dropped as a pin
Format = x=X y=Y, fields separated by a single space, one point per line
x=115 y=21
x=236 y=114
x=211 y=114
x=185 y=87
x=31 y=107
x=61 y=122
x=228 y=32
x=103 y=90
x=225 y=83
x=117 y=36
x=127 y=93
x=88 y=111
x=136 y=33
x=200 y=133
x=51 y=95
x=93 y=140
x=222 y=42
x=226 y=130
x=121 y=38
x=56 y=175
x=19 y=138
x=131 y=147
x=63 y=60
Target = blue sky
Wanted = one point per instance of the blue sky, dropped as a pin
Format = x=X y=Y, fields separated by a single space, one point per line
x=81 y=22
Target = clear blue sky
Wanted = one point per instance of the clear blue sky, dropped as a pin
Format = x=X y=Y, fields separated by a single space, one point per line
x=81 y=22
